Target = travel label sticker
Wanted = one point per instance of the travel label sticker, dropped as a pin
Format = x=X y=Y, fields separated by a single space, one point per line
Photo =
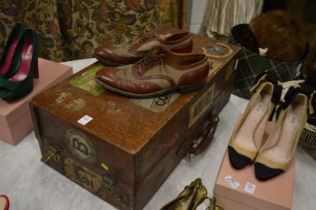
x=229 y=71
x=86 y=81
x=232 y=182
x=156 y=104
x=85 y=120
x=201 y=105
x=83 y=176
x=250 y=188
x=218 y=50
x=80 y=146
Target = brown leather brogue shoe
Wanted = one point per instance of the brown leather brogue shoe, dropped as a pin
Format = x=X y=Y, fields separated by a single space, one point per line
x=177 y=41
x=160 y=71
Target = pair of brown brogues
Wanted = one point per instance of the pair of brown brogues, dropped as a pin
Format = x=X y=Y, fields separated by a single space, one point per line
x=152 y=65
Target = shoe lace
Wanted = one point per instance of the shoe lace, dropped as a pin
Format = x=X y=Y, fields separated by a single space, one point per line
x=144 y=39
x=141 y=64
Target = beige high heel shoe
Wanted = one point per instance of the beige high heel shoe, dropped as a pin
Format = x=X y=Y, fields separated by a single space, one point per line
x=277 y=153
x=247 y=137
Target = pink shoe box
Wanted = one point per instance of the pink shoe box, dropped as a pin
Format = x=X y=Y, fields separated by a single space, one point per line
x=240 y=190
x=15 y=118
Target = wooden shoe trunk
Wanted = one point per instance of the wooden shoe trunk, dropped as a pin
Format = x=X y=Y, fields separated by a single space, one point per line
x=119 y=148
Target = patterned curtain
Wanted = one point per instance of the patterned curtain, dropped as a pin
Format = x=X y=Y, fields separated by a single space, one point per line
x=72 y=29
x=173 y=12
x=40 y=15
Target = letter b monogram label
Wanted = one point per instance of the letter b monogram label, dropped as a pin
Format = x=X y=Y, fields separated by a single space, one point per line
x=80 y=146
x=76 y=144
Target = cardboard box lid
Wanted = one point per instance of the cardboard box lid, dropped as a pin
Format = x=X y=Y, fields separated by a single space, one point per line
x=48 y=72
x=273 y=194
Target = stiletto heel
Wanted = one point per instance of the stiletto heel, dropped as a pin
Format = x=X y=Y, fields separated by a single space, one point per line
x=25 y=66
x=9 y=49
x=35 y=72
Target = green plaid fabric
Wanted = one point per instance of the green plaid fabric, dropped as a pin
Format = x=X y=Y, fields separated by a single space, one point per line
x=251 y=64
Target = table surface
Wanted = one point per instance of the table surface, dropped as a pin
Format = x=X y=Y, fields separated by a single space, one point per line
x=31 y=185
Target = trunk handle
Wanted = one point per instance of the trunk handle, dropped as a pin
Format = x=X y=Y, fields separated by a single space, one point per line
x=200 y=144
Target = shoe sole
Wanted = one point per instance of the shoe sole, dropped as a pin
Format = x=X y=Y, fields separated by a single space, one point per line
x=106 y=62
x=181 y=89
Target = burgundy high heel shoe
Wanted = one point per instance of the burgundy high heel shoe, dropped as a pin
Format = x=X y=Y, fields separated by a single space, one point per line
x=9 y=49
x=25 y=65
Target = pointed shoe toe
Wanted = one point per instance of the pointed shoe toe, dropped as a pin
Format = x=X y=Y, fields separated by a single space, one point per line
x=264 y=173
x=237 y=160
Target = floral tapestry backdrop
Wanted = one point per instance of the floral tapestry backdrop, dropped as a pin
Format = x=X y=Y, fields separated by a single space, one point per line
x=39 y=15
x=72 y=29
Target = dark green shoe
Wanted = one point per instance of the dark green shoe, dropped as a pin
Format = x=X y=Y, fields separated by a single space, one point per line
x=12 y=42
x=25 y=66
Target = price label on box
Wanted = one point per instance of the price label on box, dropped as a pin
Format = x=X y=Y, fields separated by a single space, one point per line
x=232 y=182
x=250 y=188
